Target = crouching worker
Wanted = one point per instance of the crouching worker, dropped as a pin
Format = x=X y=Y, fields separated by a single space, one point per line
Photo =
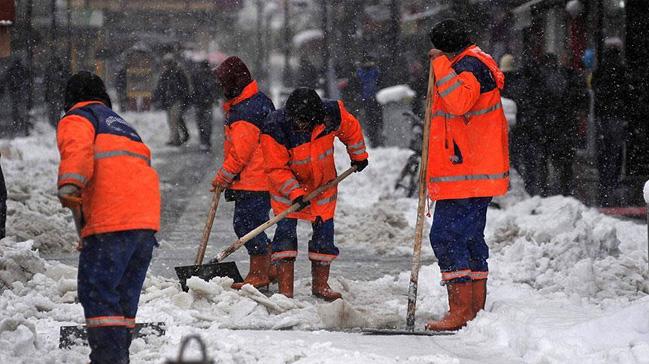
x=242 y=174
x=106 y=173
x=298 y=145
x=468 y=164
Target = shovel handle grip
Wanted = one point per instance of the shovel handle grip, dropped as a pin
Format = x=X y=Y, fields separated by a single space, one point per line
x=208 y=227
x=261 y=228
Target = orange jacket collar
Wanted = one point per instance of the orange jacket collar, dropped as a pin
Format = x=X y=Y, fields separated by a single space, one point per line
x=84 y=103
x=248 y=92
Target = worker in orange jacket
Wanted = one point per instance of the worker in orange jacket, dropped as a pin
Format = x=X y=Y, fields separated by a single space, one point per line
x=468 y=164
x=105 y=175
x=298 y=146
x=242 y=174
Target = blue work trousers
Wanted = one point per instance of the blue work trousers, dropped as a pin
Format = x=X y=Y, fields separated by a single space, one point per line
x=457 y=238
x=112 y=268
x=249 y=212
x=321 y=245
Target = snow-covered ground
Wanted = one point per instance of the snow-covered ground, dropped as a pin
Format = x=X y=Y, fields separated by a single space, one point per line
x=567 y=284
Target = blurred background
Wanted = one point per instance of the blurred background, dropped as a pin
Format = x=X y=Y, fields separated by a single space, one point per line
x=576 y=69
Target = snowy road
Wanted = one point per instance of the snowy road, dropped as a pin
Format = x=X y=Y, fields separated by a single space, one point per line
x=567 y=284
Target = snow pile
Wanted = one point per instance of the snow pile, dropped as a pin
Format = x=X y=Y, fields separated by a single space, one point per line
x=398 y=93
x=38 y=296
x=646 y=192
x=558 y=244
x=33 y=211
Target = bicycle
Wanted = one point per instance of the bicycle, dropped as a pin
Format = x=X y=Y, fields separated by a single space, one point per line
x=409 y=176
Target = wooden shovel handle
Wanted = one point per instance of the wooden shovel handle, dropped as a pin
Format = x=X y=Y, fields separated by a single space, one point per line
x=244 y=239
x=208 y=226
x=421 y=206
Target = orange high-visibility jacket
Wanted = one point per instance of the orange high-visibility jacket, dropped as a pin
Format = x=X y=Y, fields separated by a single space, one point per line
x=468 y=151
x=243 y=160
x=105 y=157
x=299 y=162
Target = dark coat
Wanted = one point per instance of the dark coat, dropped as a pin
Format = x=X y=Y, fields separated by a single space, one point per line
x=205 y=89
x=172 y=87
x=55 y=81
x=612 y=87
x=16 y=80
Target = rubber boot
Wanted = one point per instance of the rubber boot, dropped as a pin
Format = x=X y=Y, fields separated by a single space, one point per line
x=460 y=302
x=258 y=274
x=285 y=275
x=320 y=286
x=479 y=288
x=272 y=266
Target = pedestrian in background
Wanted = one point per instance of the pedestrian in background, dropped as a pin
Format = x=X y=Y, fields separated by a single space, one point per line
x=564 y=97
x=369 y=79
x=55 y=78
x=172 y=95
x=529 y=131
x=204 y=97
x=612 y=87
x=105 y=172
x=515 y=90
x=121 y=87
x=15 y=81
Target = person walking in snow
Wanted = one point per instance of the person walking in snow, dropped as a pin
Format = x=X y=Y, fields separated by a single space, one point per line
x=55 y=79
x=242 y=174
x=105 y=173
x=468 y=164
x=369 y=78
x=612 y=87
x=298 y=147
x=172 y=94
x=204 y=96
x=16 y=79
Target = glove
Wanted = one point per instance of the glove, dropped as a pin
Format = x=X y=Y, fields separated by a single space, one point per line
x=221 y=180
x=301 y=203
x=434 y=53
x=360 y=165
x=70 y=196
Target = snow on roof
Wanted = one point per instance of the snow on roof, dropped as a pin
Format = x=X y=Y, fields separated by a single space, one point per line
x=306 y=36
x=396 y=93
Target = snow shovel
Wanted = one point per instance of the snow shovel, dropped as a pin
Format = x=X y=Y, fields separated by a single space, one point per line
x=419 y=229
x=71 y=335
x=207 y=271
x=75 y=335
x=217 y=268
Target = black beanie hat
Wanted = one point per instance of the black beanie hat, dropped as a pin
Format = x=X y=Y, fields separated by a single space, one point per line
x=304 y=104
x=450 y=36
x=85 y=86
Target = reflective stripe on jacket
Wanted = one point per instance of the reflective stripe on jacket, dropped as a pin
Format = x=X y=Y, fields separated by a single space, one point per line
x=243 y=156
x=298 y=162
x=104 y=156
x=468 y=150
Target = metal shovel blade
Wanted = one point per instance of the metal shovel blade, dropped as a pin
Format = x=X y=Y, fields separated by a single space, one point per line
x=207 y=272
x=393 y=332
x=77 y=335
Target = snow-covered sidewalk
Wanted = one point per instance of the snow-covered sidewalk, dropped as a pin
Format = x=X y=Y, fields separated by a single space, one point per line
x=567 y=283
